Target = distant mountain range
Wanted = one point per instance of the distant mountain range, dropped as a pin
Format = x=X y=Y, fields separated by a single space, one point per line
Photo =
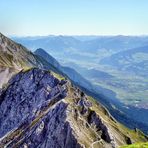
x=123 y=52
x=83 y=48
x=88 y=43
x=132 y=60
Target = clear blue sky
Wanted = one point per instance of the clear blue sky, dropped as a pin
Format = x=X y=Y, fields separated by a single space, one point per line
x=73 y=17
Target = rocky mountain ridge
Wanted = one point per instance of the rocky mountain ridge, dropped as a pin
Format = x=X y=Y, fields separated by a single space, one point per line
x=125 y=114
x=39 y=110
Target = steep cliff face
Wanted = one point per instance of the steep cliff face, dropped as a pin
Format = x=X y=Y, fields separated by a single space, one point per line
x=15 y=55
x=41 y=109
x=13 y=58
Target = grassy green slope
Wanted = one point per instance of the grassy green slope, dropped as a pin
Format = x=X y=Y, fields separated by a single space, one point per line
x=137 y=145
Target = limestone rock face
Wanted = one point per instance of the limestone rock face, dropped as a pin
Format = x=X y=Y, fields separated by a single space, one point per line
x=39 y=110
x=32 y=104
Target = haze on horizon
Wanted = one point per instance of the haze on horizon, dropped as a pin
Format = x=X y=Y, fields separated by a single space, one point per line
x=73 y=17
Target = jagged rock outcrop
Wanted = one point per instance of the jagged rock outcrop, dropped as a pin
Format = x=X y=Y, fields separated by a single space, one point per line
x=33 y=99
x=39 y=110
